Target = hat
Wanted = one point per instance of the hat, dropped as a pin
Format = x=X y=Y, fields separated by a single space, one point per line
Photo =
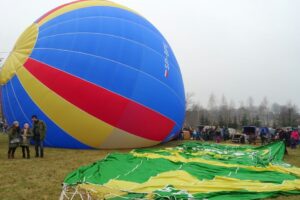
x=15 y=123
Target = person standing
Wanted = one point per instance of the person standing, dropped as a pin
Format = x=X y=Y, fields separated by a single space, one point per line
x=263 y=136
x=26 y=134
x=39 y=134
x=13 y=139
x=294 y=138
x=194 y=134
x=218 y=135
x=181 y=135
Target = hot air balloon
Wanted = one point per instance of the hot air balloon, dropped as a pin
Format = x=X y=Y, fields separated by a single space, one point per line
x=98 y=74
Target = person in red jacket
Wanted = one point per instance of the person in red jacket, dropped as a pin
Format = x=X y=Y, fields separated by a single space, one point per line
x=294 y=138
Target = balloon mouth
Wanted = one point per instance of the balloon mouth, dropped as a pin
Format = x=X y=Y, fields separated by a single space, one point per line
x=20 y=53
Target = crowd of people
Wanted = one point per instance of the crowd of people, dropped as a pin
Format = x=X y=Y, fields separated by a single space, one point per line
x=210 y=133
x=21 y=137
x=290 y=136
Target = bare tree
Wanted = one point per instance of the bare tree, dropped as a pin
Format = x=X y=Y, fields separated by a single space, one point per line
x=224 y=115
x=251 y=109
x=212 y=107
x=189 y=100
x=212 y=102
x=246 y=114
x=292 y=113
x=264 y=111
x=194 y=115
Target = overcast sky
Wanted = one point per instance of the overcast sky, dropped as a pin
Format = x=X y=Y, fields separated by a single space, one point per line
x=236 y=48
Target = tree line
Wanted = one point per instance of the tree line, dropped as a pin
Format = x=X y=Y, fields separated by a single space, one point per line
x=224 y=113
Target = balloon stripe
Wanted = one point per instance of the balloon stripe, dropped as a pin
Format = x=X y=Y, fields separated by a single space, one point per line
x=70 y=124
x=121 y=139
x=55 y=136
x=132 y=68
x=115 y=77
x=77 y=5
x=82 y=126
x=103 y=104
x=54 y=10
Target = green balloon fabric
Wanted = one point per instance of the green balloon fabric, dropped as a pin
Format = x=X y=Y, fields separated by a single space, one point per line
x=191 y=171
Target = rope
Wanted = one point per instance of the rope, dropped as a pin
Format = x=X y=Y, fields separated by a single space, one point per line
x=75 y=193
x=63 y=193
x=89 y=196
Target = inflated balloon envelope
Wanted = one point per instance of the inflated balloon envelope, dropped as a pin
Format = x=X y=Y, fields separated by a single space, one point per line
x=100 y=76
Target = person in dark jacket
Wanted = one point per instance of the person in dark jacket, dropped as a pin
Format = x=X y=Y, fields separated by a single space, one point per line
x=263 y=136
x=282 y=136
x=13 y=139
x=26 y=134
x=288 y=137
x=39 y=134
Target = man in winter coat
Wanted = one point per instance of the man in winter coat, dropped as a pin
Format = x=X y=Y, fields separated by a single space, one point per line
x=39 y=133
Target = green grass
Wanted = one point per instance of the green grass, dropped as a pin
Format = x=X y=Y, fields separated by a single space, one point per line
x=38 y=178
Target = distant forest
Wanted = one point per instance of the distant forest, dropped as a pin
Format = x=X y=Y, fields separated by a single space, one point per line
x=224 y=113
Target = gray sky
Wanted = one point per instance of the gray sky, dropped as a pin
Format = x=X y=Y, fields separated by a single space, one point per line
x=238 y=48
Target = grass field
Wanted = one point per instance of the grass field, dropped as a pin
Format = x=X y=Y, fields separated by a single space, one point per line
x=38 y=178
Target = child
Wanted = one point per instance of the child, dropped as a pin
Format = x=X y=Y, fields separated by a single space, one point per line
x=25 y=140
